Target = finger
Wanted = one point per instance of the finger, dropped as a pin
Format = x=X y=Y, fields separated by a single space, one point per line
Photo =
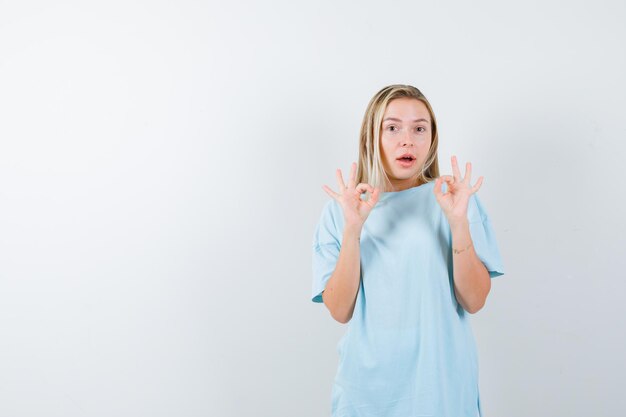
x=363 y=187
x=437 y=188
x=449 y=180
x=352 y=181
x=468 y=173
x=342 y=185
x=455 y=169
x=374 y=198
x=330 y=192
x=478 y=184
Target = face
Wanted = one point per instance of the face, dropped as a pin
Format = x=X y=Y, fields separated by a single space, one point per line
x=406 y=129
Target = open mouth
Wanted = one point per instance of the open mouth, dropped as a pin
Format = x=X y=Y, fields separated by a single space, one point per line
x=406 y=160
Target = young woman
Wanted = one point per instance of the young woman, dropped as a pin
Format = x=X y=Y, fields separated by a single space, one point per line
x=405 y=266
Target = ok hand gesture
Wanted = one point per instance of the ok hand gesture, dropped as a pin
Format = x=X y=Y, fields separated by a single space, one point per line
x=355 y=210
x=454 y=203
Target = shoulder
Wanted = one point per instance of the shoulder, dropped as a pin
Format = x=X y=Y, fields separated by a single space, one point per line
x=476 y=210
x=331 y=214
x=330 y=209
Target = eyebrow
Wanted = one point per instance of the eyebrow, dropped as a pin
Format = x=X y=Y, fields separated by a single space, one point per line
x=398 y=120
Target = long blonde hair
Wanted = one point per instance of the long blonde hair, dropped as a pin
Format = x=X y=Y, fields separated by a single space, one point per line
x=370 y=168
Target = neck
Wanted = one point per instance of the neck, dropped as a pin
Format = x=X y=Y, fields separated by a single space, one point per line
x=405 y=184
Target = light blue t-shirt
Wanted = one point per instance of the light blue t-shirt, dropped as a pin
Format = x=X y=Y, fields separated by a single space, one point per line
x=409 y=349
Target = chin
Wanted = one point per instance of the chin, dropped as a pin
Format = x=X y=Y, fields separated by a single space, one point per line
x=403 y=175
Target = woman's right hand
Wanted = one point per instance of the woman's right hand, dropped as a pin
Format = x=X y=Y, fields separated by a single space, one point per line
x=355 y=210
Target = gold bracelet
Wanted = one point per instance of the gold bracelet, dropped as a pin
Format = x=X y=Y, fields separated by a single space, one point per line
x=459 y=251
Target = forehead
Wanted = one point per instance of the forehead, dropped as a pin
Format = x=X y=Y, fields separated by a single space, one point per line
x=407 y=109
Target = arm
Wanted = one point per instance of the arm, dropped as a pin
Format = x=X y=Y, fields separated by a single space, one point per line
x=341 y=289
x=471 y=278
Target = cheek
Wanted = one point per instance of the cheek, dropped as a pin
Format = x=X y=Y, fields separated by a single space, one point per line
x=423 y=149
x=386 y=148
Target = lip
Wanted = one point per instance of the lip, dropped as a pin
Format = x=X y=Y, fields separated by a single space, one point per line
x=406 y=164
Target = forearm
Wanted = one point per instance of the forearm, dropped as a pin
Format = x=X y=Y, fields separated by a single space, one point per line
x=471 y=279
x=343 y=285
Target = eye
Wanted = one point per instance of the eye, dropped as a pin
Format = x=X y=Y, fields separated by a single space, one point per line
x=421 y=127
x=390 y=127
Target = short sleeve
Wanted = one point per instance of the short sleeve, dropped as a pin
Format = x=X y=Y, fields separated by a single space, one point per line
x=484 y=237
x=325 y=250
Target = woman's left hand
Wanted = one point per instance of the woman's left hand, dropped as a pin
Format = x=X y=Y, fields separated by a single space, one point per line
x=455 y=201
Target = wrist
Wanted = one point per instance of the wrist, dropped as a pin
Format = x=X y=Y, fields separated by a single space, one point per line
x=352 y=230
x=460 y=223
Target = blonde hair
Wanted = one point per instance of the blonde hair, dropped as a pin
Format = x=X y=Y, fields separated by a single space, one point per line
x=370 y=168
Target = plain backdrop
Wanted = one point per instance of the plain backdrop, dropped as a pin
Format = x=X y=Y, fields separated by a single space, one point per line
x=161 y=166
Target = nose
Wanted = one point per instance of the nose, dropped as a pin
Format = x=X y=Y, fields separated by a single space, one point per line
x=406 y=139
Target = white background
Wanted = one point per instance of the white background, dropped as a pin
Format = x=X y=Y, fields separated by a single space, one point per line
x=161 y=166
